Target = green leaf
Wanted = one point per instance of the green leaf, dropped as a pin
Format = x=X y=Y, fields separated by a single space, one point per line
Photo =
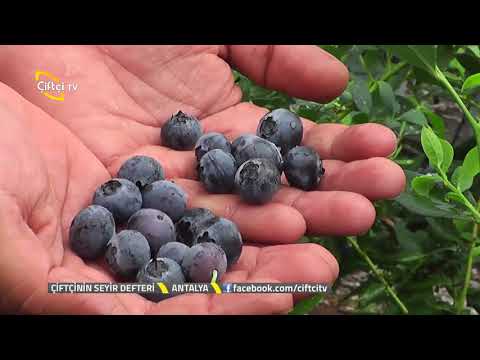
x=427 y=207
x=474 y=50
x=464 y=175
x=454 y=197
x=445 y=54
x=447 y=155
x=476 y=251
x=414 y=117
x=422 y=185
x=361 y=96
x=307 y=305
x=436 y=122
x=337 y=50
x=432 y=146
x=387 y=97
x=422 y=56
x=471 y=82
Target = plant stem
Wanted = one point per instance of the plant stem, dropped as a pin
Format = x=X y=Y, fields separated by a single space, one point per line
x=471 y=119
x=352 y=240
x=462 y=298
x=466 y=202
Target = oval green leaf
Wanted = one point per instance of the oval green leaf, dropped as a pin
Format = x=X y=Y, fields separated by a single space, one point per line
x=447 y=155
x=361 y=96
x=387 y=97
x=471 y=82
x=422 y=185
x=432 y=146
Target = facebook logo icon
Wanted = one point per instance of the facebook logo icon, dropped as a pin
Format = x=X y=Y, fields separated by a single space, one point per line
x=226 y=288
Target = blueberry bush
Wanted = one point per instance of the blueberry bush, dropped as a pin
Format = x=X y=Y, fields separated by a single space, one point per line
x=420 y=255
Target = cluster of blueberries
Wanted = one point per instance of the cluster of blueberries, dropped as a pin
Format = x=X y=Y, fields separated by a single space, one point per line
x=140 y=223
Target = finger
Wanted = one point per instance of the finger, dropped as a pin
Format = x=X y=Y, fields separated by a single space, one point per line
x=331 y=141
x=268 y=223
x=324 y=212
x=337 y=213
x=303 y=71
x=301 y=263
x=374 y=178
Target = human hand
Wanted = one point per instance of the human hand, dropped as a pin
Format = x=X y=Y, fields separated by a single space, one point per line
x=125 y=94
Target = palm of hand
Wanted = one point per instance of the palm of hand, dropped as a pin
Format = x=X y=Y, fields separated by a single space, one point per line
x=124 y=96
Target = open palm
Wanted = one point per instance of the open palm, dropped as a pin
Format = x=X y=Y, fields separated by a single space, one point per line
x=56 y=153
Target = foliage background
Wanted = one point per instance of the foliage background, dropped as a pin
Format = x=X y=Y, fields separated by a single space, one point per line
x=420 y=255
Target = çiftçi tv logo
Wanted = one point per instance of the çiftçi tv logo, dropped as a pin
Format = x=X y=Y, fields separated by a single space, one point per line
x=51 y=86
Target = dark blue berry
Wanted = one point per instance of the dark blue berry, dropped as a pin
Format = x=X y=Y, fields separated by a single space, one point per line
x=257 y=180
x=303 y=168
x=217 y=171
x=120 y=196
x=166 y=196
x=192 y=223
x=90 y=231
x=248 y=147
x=155 y=225
x=163 y=270
x=281 y=127
x=173 y=250
x=201 y=260
x=225 y=234
x=211 y=141
x=127 y=252
x=141 y=170
x=181 y=132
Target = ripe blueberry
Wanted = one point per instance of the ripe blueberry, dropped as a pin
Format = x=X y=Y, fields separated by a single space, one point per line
x=257 y=180
x=155 y=225
x=166 y=196
x=281 y=127
x=217 y=171
x=158 y=270
x=127 y=252
x=201 y=259
x=181 y=132
x=225 y=234
x=141 y=170
x=120 y=196
x=303 y=168
x=210 y=141
x=90 y=231
x=248 y=147
x=173 y=250
x=192 y=223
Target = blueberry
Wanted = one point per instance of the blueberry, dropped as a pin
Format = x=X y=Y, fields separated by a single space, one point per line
x=281 y=127
x=192 y=223
x=166 y=196
x=173 y=250
x=201 y=259
x=141 y=170
x=217 y=171
x=210 y=141
x=303 y=168
x=155 y=225
x=181 y=132
x=120 y=196
x=90 y=231
x=248 y=147
x=127 y=252
x=257 y=180
x=225 y=234
x=158 y=270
